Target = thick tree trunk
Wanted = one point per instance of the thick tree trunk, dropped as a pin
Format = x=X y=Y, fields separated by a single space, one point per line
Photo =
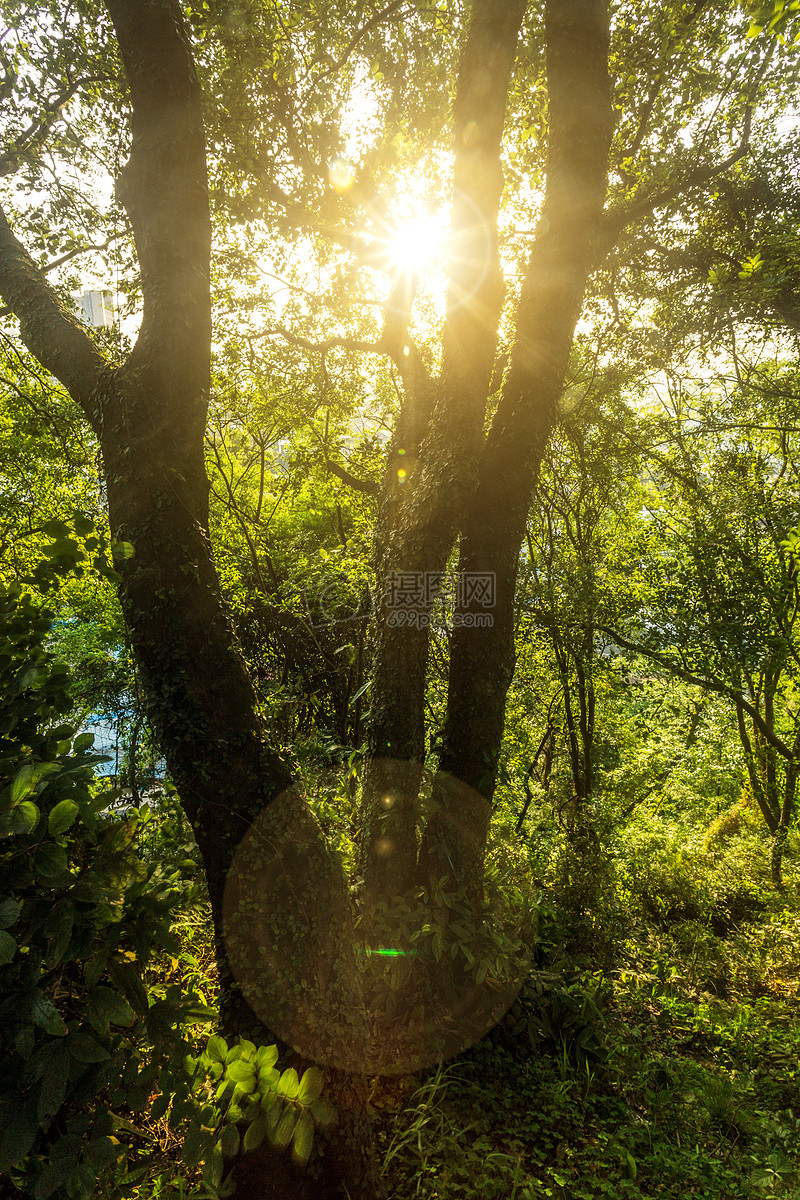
x=482 y=654
x=437 y=457
x=150 y=415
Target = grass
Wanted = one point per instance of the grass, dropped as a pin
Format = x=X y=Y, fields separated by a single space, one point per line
x=665 y=1067
x=676 y=1075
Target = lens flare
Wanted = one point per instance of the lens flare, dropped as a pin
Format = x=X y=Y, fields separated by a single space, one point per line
x=341 y=174
x=419 y=243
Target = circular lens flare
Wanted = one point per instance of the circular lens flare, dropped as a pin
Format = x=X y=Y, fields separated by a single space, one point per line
x=341 y=174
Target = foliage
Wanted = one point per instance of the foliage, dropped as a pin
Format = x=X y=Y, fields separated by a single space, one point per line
x=239 y=1099
x=82 y=916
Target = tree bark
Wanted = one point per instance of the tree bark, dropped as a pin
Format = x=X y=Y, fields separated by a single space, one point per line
x=432 y=464
x=482 y=655
x=149 y=414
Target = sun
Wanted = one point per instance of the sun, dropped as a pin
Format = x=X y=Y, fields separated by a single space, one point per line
x=418 y=243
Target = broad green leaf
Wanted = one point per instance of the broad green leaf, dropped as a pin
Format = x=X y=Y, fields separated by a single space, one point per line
x=23 y=783
x=83 y=525
x=24 y=818
x=160 y=1106
x=266 y=1056
x=59 y=932
x=50 y=859
x=126 y=978
x=85 y=1049
x=288 y=1085
x=229 y=1142
x=241 y=1072
x=54 y=1082
x=18 y=1134
x=53 y=1176
x=8 y=947
x=193 y=1145
x=213 y=1168
x=62 y=817
x=45 y=1014
x=56 y=529
x=268 y=1078
x=255 y=1133
x=284 y=1130
x=303 y=1138
x=107 y=1007
x=217 y=1048
x=310 y=1086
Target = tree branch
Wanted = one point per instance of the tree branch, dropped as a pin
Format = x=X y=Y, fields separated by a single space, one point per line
x=709 y=683
x=52 y=334
x=372 y=23
x=332 y=343
x=616 y=220
x=35 y=135
x=367 y=486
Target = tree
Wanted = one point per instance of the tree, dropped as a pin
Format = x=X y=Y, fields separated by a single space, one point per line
x=444 y=476
x=721 y=605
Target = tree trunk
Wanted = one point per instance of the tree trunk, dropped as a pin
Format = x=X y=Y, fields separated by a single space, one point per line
x=150 y=416
x=482 y=654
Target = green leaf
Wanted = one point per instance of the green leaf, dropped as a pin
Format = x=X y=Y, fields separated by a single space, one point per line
x=137 y=1097
x=24 y=818
x=285 y=1128
x=213 y=1168
x=229 y=1142
x=193 y=1145
x=8 y=947
x=303 y=1139
x=56 y=529
x=9 y=913
x=217 y=1048
x=255 y=1133
x=126 y=978
x=310 y=1086
x=45 y=1014
x=83 y=525
x=54 y=1082
x=82 y=742
x=100 y=1152
x=273 y=1111
x=122 y=550
x=268 y=1078
x=59 y=933
x=160 y=1106
x=19 y=1134
x=50 y=859
x=62 y=817
x=24 y=783
x=266 y=1056
x=241 y=1072
x=288 y=1085
x=107 y=1007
